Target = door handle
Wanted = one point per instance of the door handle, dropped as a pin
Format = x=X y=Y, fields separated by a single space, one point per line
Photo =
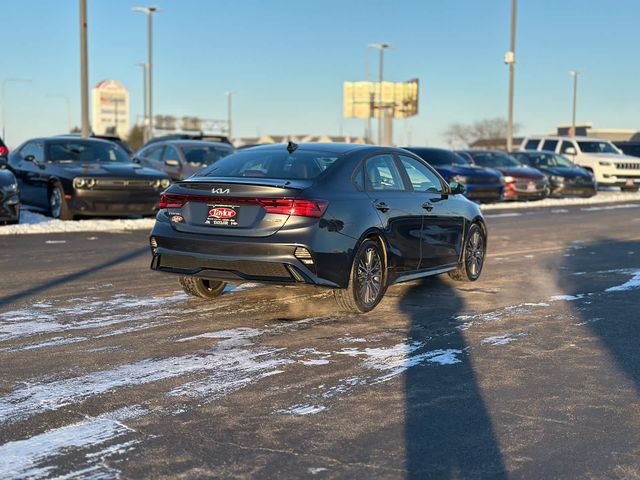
x=427 y=206
x=383 y=207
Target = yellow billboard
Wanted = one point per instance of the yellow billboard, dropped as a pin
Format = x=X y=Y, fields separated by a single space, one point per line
x=368 y=99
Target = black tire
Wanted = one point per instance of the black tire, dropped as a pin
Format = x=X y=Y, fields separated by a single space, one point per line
x=201 y=287
x=367 y=281
x=475 y=251
x=58 y=207
x=629 y=189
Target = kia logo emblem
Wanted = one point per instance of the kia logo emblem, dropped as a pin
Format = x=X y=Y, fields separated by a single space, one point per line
x=220 y=190
x=222 y=212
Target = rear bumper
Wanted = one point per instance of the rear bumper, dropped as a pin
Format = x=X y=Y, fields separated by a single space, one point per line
x=114 y=202
x=234 y=259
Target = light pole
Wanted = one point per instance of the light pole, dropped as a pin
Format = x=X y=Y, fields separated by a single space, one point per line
x=574 y=74
x=145 y=68
x=510 y=59
x=67 y=103
x=84 y=70
x=229 y=95
x=382 y=47
x=149 y=11
x=4 y=101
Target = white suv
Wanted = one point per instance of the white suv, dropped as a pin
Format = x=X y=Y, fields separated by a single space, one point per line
x=608 y=164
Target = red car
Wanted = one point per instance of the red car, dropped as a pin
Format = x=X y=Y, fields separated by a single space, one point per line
x=520 y=182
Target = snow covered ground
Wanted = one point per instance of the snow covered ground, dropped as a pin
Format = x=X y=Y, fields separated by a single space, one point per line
x=32 y=222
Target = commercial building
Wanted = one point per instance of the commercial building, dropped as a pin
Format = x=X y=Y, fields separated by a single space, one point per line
x=110 y=102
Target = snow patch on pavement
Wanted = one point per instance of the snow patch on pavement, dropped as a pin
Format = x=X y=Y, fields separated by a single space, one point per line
x=566 y=298
x=39 y=456
x=600 y=198
x=302 y=410
x=502 y=339
x=634 y=282
x=32 y=222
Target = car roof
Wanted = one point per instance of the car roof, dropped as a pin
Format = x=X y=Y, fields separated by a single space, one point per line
x=329 y=147
x=428 y=149
x=74 y=138
x=538 y=152
x=194 y=142
x=580 y=138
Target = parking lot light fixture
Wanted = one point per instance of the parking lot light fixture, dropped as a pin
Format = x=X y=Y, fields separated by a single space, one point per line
x=149 y=11
x=510 y=60
x=229 y=95
x=574 y=74
x=145 y=91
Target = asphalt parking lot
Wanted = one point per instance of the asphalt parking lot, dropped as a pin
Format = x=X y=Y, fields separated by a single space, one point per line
x=108 y=370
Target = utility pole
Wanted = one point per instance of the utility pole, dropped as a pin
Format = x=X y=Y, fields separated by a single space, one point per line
x=574 y=74
x=382 y=47
x=4 y=101
x=145 y=116
x=84 y=70
x=229 y=124
x=149 y=11
x=367 y=77
x=510 y=59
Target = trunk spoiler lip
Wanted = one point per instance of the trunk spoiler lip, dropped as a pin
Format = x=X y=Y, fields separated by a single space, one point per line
x=262 y=182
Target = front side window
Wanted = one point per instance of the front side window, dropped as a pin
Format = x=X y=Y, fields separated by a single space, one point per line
x=422 y=179
x=597 y=147
x=153 y=153
x=382 y=174
x=170 y=153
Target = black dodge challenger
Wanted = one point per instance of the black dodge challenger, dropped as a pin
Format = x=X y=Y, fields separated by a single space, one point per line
x=70 y=176
x=355 y=218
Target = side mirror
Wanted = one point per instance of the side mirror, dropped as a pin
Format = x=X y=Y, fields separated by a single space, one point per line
x=570 y=151
x=456 y=188
x=32 y=159
x=172 y=163
x=136 y=160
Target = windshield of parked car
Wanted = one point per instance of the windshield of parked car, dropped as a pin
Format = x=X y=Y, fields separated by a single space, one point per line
x=202 y=155
x=494 y=159
x=73 y=151
x=272 y=163
x=439 y=158
x=597 y=147
x=545 y=160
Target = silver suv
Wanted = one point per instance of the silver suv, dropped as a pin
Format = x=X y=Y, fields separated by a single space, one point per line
x=606 y=162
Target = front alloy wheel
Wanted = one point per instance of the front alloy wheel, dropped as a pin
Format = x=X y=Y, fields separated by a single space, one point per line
x=58 y=205
x=367 y=281
x=475 y=250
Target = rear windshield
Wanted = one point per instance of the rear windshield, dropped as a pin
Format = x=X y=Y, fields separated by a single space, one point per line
x=201 y=155
x=494 y=159
x=270 y=163
x=73 y=151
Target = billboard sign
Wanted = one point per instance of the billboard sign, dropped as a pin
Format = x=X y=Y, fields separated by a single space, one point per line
x=370 y=99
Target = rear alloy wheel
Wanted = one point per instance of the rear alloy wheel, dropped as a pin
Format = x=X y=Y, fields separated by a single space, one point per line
x=201 y=287
x=367 y=281
x=57 y=204
x=475 y=250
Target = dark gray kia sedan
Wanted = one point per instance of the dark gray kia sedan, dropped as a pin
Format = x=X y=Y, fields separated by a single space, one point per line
x=353 y=218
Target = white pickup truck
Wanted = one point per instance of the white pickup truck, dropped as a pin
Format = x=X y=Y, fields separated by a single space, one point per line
x=608 y=164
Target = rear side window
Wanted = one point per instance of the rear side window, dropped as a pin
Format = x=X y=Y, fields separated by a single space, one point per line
x=550 y=145
x=382 y=174
x=531 y=144
x=272 y=163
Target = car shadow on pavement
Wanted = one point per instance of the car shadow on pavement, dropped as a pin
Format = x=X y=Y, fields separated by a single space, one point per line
x=55 y=282
x=448 y=430
x=607 y=298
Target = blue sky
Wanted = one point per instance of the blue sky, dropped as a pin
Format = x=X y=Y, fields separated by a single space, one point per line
x=287 y=60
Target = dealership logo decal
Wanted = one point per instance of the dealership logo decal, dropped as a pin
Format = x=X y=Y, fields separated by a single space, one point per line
x=221 y=190
x=222 y=212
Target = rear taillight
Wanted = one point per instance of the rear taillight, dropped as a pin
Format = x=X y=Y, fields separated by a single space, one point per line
x=283 y=206
x=4 y=151
x=302 y=208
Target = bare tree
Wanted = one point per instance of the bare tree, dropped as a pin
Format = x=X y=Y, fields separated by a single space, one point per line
x=460 y=135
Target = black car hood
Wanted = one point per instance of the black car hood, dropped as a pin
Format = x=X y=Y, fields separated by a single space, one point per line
x=568 y=172
x=521 y=172
x=470 y=171
x=110 y=170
